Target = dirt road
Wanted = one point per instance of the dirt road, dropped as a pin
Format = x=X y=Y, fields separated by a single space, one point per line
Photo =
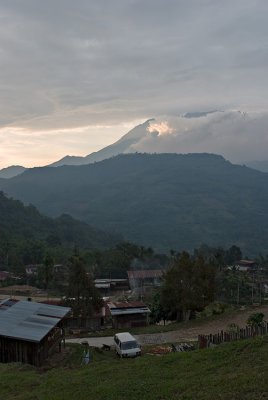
x=205 y=328
x=185 y=333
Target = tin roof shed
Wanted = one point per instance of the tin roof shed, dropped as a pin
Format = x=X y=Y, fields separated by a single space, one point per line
x=30 y=321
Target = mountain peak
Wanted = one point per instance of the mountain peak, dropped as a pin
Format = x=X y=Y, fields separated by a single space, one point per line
x=10 y=172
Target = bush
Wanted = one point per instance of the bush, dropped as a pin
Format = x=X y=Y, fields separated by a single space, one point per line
x=213 y=309
x=255 y=319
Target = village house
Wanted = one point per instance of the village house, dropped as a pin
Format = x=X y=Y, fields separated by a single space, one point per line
x=246 y=266
x=127 y=314
x=29 y=331
x=32 y=269
x=108 y=286
x=141 y=279
x=5 y=275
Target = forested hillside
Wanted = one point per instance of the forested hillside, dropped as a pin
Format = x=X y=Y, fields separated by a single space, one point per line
x=160 y=200
x=26 y=235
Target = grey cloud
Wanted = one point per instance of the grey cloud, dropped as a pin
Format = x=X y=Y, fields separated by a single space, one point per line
x=66 y=63
x=239 y=137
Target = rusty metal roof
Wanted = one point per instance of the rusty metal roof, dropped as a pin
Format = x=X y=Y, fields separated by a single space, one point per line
x=126 y=304
x=246 y=262
x=30 y=321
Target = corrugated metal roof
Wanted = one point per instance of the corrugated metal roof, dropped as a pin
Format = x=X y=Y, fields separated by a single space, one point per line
x=30 y=321
x=127 y=308
x=129 y=311
x=126 y=304
x=102 y=285
x=246 y=262
x=6 y=303
x=110 y=280
x=145 y=274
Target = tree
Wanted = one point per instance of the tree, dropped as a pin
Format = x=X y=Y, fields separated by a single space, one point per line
x=47 y=270
x=116 y=261
x=233 y=254
x=82 y=296
x=188 y=286
x=255 y=319
x=158 y=312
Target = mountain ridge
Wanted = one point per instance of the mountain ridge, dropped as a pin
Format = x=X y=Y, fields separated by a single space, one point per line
x=143 y=138
x=112 y=150
x=160 y=200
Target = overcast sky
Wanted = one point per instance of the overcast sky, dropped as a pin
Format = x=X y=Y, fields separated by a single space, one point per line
x=77 y=75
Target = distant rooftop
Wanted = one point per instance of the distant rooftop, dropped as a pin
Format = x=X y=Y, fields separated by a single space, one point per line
x=145 y=274
x=246 y=262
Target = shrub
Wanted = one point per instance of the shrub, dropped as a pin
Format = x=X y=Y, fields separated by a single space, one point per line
x=255 y=319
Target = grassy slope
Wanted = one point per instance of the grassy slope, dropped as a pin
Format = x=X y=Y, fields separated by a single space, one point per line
x=231 y=371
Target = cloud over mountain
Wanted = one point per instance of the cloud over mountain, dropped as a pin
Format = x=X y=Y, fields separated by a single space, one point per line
x=238 y=136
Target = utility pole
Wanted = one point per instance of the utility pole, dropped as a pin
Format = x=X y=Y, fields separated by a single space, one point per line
x=238 y=292
x=252 y=290
x=260 y=283
x=260 y=288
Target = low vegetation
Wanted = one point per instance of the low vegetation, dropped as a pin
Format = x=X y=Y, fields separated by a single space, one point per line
x=231 y=371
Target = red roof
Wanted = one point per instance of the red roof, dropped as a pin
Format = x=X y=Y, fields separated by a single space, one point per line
x=126 y=304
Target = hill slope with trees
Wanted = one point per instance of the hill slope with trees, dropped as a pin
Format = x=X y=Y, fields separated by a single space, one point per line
x=26 y=235
x=160 y=200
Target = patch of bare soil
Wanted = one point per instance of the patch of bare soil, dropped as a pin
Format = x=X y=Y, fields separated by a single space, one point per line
x=55 y=360
x=210 y=326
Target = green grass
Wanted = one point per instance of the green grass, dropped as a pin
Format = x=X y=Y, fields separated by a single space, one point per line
x=231 y=371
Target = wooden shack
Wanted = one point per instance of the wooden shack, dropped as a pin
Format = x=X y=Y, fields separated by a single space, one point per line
x=29 y=331
x=127 y=314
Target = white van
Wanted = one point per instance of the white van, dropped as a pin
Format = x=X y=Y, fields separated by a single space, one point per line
x=126 y=345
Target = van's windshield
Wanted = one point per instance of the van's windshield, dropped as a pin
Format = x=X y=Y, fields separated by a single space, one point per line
x=129 y=345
